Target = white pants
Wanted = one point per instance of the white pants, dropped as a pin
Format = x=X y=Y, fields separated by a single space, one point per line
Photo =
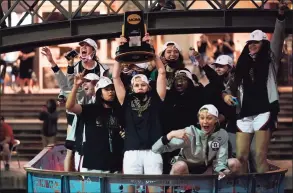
x=254 y=123
x=78 y=161
x=142 y=162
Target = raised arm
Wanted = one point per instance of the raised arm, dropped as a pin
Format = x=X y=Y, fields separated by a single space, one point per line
x=59 y=75
x=161 y=79
x=279 y=34
x=71 y=104
x=118 y=84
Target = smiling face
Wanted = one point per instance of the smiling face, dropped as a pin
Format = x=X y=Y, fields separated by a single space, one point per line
x=171 y=53
x=86 y=49
x=254 y=46
x=207 y=121
x=139 y=86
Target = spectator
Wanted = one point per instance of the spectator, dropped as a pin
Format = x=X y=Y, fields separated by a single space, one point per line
x=26 y=57
x=201 y=145
x=203 y=45
x=164 y=5
x=6 y=141
x=2 y=75
x=228 y=46
x=49 y=116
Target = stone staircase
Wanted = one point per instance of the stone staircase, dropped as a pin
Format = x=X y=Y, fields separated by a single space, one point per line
x=281 y=143
x=21 y=112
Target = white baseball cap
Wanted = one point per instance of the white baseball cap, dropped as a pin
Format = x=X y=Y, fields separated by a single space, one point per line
x=211 y=110
x=90 y=42
x=224 y=60
x=142 y=76
x=186 y=72
x=257 y=35
x=91 y=76
x=142 y=65
x=104 y=82
x=171 y=42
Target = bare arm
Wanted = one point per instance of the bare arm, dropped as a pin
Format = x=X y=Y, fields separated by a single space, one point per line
x=71 y=104
x=118 y=84
x=161 y=80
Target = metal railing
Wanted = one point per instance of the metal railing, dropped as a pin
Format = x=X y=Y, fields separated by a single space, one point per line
x=68 y=9
x=44 y=175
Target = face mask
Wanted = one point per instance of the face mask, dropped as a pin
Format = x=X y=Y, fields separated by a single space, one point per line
x=140 y=96
x=173 y=63
x=87 y=58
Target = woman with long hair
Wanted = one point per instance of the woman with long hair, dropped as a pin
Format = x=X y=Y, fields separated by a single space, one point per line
x=102 y=127
x=254 y=85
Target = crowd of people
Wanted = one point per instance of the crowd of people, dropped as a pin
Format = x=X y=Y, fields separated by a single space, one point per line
x=166 y=117
x=17 y=71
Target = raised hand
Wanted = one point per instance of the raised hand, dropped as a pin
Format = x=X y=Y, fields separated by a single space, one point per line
x=79 y=78
x=47 y=52
x=147 y=38
x=122 y=40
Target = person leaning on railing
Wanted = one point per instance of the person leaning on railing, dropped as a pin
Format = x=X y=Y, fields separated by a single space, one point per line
x=102 y=150
x=201 y=146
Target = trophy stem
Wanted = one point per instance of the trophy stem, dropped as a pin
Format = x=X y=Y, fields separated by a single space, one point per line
x=122 y=30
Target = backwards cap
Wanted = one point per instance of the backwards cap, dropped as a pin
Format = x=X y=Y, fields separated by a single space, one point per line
x=171 y=42
x=211 y=109
x=142 y=76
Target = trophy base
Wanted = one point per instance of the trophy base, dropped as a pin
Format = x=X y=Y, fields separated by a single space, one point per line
x=138 y=54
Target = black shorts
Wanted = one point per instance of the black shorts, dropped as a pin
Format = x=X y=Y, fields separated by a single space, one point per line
x=197 y=168
x=25 y=73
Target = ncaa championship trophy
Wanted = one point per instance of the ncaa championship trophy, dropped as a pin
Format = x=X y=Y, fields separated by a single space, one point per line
x=135 y=50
